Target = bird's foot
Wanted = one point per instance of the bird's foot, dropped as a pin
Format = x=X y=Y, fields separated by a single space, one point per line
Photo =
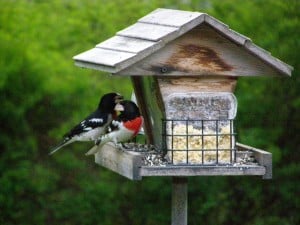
x=119 y=146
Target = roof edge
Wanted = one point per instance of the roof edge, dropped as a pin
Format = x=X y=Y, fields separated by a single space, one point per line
x=268 y=58
x=94 y=66
x=249 y=45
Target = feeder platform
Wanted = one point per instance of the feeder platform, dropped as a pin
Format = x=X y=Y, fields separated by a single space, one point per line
x=131 y=164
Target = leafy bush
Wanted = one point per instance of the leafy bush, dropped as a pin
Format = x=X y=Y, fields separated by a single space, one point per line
x=42 y=94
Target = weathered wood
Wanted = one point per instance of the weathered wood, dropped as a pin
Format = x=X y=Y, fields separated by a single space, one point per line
x=196 y=84
x=143 y=105
x=226 y=31
x=263 y=158
x=201 y=51
x=148 y=94
x=179 y=200
x=233 y=54
x=103 y=56
x=127 y=44
x=150 y=32
x=244 y=154
x=250 y=170
x=266 y=56
x=94 y=66
x=124 y=163
x=183 y=20
x=129 y=164
x=111 y=59
x=171 y=17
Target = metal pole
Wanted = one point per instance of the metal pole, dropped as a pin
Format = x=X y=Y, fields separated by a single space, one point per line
x=179 y=200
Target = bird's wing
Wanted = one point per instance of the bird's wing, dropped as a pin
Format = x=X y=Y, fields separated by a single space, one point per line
x=95 y=120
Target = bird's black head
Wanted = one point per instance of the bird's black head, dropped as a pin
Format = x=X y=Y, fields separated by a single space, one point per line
x=109 y=101
x=128 y=109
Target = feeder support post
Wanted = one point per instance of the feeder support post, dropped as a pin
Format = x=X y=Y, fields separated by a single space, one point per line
x=179 y=200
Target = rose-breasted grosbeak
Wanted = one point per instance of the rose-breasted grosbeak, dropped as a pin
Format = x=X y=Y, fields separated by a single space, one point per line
x=125 y=127
x=95 y=124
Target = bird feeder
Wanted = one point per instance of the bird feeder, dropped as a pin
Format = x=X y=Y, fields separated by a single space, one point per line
x=184 y=68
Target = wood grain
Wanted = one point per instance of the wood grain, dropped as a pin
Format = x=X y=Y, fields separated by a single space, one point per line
x=196 y=84
x=124 y=163
x=201 y=51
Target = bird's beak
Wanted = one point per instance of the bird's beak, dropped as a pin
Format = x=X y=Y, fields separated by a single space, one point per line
x=118 y=99
x=119 y=107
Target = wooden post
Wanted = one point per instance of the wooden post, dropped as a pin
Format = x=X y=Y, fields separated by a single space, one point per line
x=179 y=200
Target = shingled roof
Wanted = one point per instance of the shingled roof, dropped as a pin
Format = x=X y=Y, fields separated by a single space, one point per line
x=154 y=31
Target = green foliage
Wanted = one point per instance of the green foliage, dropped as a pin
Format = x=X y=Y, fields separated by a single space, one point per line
x=42 y=94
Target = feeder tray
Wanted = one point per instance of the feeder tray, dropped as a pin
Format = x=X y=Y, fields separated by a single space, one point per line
x=136 y=162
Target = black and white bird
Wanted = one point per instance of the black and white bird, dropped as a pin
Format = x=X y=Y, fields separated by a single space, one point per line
x=125 y=127
x=95 y=124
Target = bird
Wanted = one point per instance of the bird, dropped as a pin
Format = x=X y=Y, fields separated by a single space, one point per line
x=93 y=125
x=125 y=127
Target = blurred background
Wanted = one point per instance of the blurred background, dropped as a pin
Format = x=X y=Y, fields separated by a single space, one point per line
x=42 y=95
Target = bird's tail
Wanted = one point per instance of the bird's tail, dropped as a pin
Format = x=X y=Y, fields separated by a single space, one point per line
x=60 y=145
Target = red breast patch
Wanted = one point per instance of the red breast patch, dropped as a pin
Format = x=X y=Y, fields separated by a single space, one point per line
x=134 y=125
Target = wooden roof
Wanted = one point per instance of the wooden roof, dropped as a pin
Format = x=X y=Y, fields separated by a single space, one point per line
x=154 y=31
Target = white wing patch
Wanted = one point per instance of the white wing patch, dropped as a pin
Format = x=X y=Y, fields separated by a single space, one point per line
x=96 y=120
x=90 y=135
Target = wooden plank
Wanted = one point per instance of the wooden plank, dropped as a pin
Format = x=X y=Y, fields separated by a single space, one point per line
x=179 y=200
x=171 y=17
x=124 y=163
x=249 y=170
x=141 y=100
x=263 y=158
x=195 y=84
x=224 y=29
x=153 y=110
x=126 y=44
x=109 y=60
x=94 y=66
x=130 y=165
x=244 y=154
x=149 y=32
x=104 y=57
